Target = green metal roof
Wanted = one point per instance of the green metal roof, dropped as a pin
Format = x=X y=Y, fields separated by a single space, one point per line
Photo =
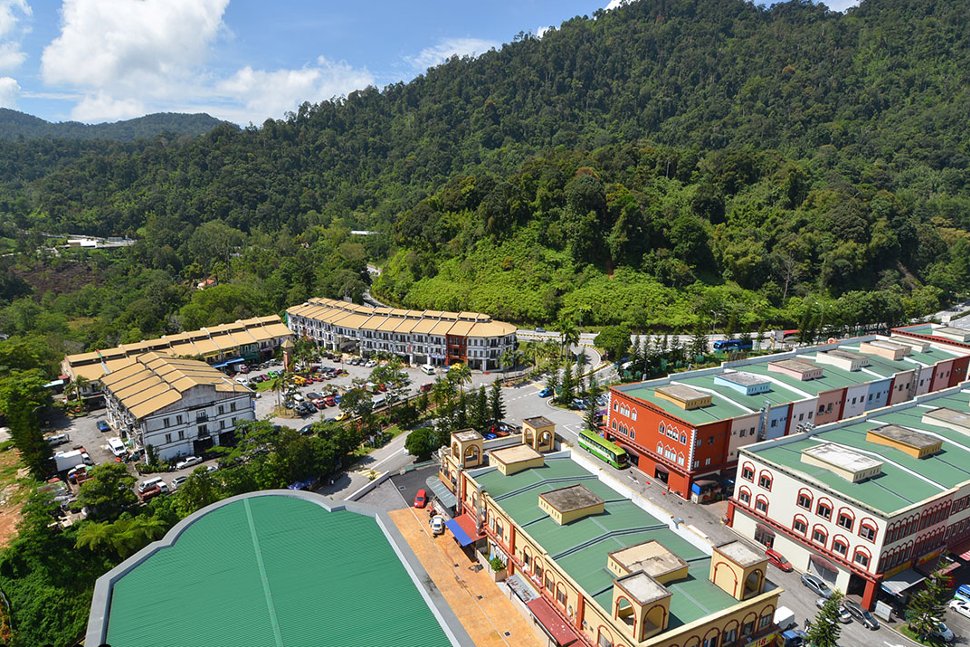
x=272 y=571
x=581 y=548
x=905 y=480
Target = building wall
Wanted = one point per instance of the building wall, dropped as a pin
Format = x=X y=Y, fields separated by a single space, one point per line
x=941 y=375
x=744 y=431
x=802 y=413
x=958 y=372
x=924 y=379
x=776 y=422
x=829 y=406
x=878 y=394
x=855 y=401
x=903 y=387
x=710 y=446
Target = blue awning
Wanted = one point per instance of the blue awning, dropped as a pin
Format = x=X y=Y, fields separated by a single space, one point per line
x=460 y=535
x=238 y=360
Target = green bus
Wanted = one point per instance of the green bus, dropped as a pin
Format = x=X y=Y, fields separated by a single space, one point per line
x=603 y=449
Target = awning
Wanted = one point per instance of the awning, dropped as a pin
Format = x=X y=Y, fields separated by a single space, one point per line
x=467 y=523
x=662 y=469
x=441 y=492
x=554 y=625
x=823 y=564
x=460 y=535
x=900 y=582
x=226 y=363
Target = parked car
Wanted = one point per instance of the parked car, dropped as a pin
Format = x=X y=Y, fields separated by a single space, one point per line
x=817 y=585
x=425 y=388
x=540 y=329
x=962 y=593
x=188 y=462
x=116 y=446
x=421 y=498
x=150 y=483
x=489 y=436
x=778 y=560
x=578 y=403
x=103 y=426
x=242 y=379
x=943 y=633
x=844 y=616
x=305 y=409
x=370 y=364
x=179 y=480
x=242 y=369
x=341 y=416
x=437 y=525
x=58 y=439
x=545 y=393
x=867 y=619
x=961 y=607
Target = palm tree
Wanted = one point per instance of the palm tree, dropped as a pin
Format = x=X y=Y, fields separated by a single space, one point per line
x=459 y=374
x=510 y=358
x=75 y=387
x=568 y=335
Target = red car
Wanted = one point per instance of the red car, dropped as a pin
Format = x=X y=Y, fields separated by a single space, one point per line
x=778 y=560
x=421 y=498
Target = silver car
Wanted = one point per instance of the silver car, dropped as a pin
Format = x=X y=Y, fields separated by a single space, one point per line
x=817 y=585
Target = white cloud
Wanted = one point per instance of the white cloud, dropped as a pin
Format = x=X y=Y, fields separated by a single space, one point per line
x=445 y=49
x=11 y=12
x=616 y=4
x=101 y=107
x=541 y=31
x=9 y=91
x=840 y=5
x=271 y=93
x=107 y=45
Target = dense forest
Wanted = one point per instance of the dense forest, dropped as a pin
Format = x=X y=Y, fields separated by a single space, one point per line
x=669 y=164
x=18 y=125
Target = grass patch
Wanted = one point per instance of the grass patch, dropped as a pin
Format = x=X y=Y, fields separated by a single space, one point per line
x=909 y=633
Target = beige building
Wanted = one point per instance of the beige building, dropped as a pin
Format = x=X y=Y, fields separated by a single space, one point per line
x=592 y=567
x=223 y=346
x=420 y=336
x=176 y=406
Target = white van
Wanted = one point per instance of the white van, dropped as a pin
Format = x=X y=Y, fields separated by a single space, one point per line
x=148 y=484
x=428 y=369
x=116 y=446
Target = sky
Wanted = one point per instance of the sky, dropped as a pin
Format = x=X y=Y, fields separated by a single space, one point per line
x=241 y=60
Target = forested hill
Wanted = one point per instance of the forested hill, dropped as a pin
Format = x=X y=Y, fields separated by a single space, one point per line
x=668 y=164
x=15 y=125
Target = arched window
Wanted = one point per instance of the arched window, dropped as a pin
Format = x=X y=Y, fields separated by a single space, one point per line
x=805 y=499
x=824 y=508
x=820 y=535
x=546 y=438
x=603 y=637
x=765 y=479
x=660 y=449
x=846 y=519
x=840 y=546
x=862 y=557
x=744 y=495
x=868 y=529
x=747 y=472
x=560 y=594
x=800 y=525
x=761 y=504
x=711 y=638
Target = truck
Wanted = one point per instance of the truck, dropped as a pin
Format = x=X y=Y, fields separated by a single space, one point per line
x=68 y=460
x=784 y=618
x=793 y=638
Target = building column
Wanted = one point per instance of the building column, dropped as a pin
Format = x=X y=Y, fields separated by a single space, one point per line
x=580 y=611
x=869 y=596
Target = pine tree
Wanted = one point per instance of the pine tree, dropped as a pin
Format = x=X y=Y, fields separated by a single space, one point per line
x=826 y=629
x=927 y=606
x=698 y=344
x=496 y=402
x=552 y=380
x=461 y=412
x=478 y=409
x=568 y=391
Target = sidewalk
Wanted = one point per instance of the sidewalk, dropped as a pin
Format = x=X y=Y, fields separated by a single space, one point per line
x=389 y=458
x=487 y=615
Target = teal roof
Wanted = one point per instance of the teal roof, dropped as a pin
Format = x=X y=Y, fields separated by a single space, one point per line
x=729 y=403
x=272 y=571
x=905 y=480
x=581 y=548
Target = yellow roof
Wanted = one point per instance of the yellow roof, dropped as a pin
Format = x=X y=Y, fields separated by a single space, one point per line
x=424 y=327
x=491 y=329
x=153 y=381
x=389 y=324
x=461 y=328
x=442 y=327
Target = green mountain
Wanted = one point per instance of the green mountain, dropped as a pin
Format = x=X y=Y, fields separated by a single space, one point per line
x=15 y=125
x=669 y=164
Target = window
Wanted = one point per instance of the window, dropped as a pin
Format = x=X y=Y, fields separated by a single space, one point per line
x=800 y=526
x=764 y=480
x=867 y=531
x=710 y=642
x=845 y=520
x=178 y=419
x=743 y=432
x=839 y=546
x=707 y=461
x=744 y=497
x=824 y=510
x=560 y=595
x=761 y=504
x=604 y=639
x=168 y=438
x=710 y=440
x=747 y=628
x=819 y=536
x=697 y=464
x=166 y=422
x=181 y=434
x=804 y=500
x=861 y=558
x=730 y=635
x=232 y=406
x=764 y=621
x=549 y=582
x=747 y=473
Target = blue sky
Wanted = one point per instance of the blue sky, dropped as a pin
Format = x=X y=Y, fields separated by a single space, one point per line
x=241 y=60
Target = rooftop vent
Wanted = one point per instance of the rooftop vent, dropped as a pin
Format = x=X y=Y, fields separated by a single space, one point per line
x=908 y=441
x=842 y=461
x=745 y=383
x=843 y=359
x=885 y=348
x=959 y=334
x=652 y=558
x=801 y=369
x=918 y=345
x=569 y=504
x=683 y=396
x=949 y=418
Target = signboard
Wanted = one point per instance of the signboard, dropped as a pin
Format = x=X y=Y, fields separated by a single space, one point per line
x=883 y=611
x=896 y=571
x=929 y=556
x=764 y=641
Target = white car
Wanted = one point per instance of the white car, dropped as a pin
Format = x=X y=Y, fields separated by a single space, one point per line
x=116 y=446
x=960 y=606
x=179 y=480
x=437 y=525
x=188 y=462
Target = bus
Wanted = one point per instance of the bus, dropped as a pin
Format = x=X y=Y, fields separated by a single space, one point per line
x=603 y=449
